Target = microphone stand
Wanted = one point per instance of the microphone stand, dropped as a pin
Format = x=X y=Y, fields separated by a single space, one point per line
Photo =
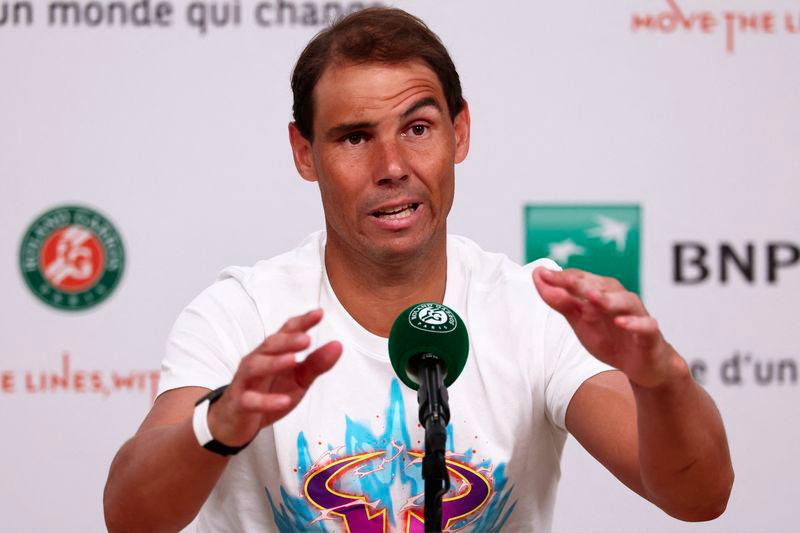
x=434 y=414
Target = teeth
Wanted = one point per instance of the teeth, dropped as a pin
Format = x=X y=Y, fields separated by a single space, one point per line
x=400 y=212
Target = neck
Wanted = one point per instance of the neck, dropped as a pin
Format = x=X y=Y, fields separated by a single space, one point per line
x=375 y=292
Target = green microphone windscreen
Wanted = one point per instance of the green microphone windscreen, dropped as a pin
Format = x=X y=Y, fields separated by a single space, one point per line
x=428 y=328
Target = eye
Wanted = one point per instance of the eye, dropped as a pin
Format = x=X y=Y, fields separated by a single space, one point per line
x=418 y=129
x=355 y=138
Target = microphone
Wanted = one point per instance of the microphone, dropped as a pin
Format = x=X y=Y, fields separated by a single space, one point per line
x=428 y=331
x=428 y=347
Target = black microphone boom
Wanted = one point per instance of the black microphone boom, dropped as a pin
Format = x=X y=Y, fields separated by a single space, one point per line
x=434 y=415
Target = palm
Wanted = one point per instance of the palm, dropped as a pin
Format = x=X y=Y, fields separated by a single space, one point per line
x=284 y=383
x=269 y=382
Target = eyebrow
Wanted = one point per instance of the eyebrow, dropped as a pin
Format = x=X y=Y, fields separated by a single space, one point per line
x=428 y=101
x=341 y=129
x=337 y=131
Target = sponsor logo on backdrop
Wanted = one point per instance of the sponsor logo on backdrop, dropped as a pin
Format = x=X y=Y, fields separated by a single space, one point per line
x=734 y=24
x=72 y=257
x=604 y=239
x=748 y=262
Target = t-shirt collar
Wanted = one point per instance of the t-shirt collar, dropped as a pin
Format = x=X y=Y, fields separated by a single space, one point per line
x=363 y=340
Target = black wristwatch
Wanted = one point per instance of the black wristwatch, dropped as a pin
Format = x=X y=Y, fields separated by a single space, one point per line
x=201 y=429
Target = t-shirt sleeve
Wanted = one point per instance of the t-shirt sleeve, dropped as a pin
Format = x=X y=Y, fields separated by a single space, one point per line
x=567 y=363
x=209 y=338
x=572 y=365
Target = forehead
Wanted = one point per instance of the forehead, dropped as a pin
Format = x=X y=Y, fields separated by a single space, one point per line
x=362 y=90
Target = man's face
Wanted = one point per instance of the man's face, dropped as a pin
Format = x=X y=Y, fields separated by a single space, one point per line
x=383 y=153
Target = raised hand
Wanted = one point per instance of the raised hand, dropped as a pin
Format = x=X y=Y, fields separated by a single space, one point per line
x=611 y=323
x=269 y=383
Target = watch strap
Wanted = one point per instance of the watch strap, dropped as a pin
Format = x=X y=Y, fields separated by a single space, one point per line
x=200 y=425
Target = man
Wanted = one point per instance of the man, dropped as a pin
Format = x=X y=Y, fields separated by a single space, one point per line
x=331 y=442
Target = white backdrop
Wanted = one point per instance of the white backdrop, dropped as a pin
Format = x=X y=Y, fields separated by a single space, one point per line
x=179 y=138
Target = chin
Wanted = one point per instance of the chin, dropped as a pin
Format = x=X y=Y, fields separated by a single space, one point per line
x=402 y=248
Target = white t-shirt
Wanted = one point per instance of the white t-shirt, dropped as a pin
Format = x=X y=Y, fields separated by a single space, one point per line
x=348 y=457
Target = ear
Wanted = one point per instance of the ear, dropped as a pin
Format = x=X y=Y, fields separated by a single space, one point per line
x=461 y=125
x=302 y=153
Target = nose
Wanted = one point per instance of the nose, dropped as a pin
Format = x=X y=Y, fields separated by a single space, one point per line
x=390 y=163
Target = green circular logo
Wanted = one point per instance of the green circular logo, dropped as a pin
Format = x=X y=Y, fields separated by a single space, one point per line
x=72 y=257
x=433 y=317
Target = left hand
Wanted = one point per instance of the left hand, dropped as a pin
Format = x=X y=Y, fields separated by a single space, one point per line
x=611 y=323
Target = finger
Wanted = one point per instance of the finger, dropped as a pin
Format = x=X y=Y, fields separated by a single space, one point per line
x=255 y=401
x=579 y=282
x=571 y=280
x=259 y=365
x=318 y=362
x=556 y=297
x=281 y=343
x=643 y=325
x=617 y=302
x=301 y=323
x=558 y=278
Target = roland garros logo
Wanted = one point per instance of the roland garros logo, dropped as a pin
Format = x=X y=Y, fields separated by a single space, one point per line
x=432 y=317
x=72 y=258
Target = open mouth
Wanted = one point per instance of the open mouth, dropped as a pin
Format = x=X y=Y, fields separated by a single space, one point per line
x=401 y=211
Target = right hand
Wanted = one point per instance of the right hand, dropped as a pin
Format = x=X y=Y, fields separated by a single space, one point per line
x=269 y=383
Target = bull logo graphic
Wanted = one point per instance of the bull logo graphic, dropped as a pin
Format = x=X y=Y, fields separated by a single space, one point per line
x=361 y=515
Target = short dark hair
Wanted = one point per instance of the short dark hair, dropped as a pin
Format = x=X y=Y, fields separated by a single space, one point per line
x=375 y=34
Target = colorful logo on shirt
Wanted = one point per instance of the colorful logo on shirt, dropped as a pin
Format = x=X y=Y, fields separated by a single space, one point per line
x=358 y=515
x=373 y=483
x=604 y=239
x=72 y=258
x=432 y=317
